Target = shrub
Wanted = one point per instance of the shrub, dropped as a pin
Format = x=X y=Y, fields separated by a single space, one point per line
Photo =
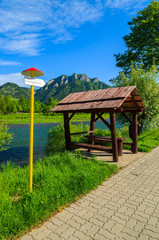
x=5 y=137
x=56 y=137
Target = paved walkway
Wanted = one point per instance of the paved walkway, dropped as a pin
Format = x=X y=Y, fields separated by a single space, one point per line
x=126 y=207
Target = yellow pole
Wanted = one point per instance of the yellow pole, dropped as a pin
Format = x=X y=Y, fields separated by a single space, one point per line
x=31 y=136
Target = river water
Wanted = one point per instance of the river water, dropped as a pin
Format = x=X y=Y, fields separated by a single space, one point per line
x=19 y=147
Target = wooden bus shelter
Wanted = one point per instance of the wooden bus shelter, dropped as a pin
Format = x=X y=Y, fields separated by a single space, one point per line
x=111 y=100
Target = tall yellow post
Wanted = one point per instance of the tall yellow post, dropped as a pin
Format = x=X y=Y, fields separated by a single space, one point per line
x=31 y=136
x=32 y=72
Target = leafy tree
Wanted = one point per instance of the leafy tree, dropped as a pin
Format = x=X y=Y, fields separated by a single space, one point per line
x=3 y=106
x=5 y=137
x=143 y=40
x=147 y=85
x=37 y=106
x=24 y=104
x=9 y=104
x=8 y=98
x=51 y=103
x=11 y=107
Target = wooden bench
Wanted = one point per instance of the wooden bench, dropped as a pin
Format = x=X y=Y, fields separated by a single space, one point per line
x=108 y=140
x=129 y=144
x=91 y=147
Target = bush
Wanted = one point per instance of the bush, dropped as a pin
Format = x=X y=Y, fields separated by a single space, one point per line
x=123 y=132
x=56 y=137
x=5 y=137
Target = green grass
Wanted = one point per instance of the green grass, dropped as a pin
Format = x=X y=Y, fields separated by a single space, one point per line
x=148 y=140
x=57 y=180
x=22 y=118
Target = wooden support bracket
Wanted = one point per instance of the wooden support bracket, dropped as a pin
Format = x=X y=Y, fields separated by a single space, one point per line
x=98 y=117
x=103 y=120
x=127 y=117
x=71 y=116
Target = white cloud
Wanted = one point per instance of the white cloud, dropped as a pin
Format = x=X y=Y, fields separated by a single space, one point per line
x=25 y=25
x=9 y=63
x=13 y=77
x=26 y=44
x=126 y=4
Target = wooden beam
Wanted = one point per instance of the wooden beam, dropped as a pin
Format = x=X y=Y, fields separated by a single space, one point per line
x=126 y=117
x=92 y=147
x=67 y=132
x=135 y=133
x=133 y=110
x=98 y=117
x=114 y=137
x=81 y=133
x=71 y=116
x=108 y=110
x=103 y=120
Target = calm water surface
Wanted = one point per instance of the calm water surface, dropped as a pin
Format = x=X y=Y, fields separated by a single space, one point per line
x=19 y=147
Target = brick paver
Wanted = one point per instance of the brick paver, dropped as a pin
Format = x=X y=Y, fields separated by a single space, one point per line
x=126 y=207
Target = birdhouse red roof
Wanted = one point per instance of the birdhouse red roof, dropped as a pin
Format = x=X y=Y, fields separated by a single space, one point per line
x=28 y=72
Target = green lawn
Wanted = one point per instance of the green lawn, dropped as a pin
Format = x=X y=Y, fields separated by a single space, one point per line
x=57 y=180
x=22 y=118
x=148 y=140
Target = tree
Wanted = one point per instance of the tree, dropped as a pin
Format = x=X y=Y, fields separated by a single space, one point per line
x=5 y=137
x=147 y=85
x=11 y=107
x=3 y=106
x=37 y=106
x=51 y=103
x=24 y=104
x=143 y=40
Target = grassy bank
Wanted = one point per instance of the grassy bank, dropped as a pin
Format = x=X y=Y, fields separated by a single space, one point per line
x=58 y=180
x=23 y=118
x=148 y=140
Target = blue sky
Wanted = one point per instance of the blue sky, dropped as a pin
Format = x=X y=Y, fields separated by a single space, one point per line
x=63 y=36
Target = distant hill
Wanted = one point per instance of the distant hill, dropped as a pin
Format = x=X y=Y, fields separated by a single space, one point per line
x=14 y=90
x=61 y=86
x=58 y=87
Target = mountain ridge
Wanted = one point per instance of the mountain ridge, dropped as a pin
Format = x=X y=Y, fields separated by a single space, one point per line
x=14 y=90
x=63 y=85
x=57 y=88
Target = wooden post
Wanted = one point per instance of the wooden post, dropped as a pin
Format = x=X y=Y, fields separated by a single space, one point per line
x=92 y=128
x=114 y=138
x=67 y=132
x=135 y=133
x=120 y=147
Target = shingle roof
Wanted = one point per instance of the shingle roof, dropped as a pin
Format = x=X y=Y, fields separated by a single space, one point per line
x=125 y=98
